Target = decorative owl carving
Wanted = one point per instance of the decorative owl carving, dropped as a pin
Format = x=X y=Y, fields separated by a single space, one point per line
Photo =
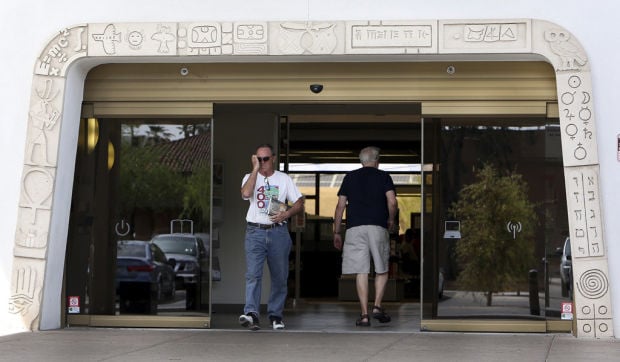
x=571 y=56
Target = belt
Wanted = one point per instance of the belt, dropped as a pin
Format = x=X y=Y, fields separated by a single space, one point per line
x=264 y=226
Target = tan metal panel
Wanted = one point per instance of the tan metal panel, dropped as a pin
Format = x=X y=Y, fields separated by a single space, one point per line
x=483 y=108
x=343 y=82
x=111 y=109
x=553 y=110
x=139 y=321
x=484 y=325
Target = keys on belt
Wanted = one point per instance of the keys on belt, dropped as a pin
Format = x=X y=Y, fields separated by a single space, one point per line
x=265 y=226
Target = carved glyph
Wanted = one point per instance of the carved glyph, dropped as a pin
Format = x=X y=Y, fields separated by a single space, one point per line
x=389 y=37
x=26 y=288
x=62 y=50
x=126 y=39
x=508 y=36
x=570 y=54
x=205 y=38
x=309 y=38
x=44 y=121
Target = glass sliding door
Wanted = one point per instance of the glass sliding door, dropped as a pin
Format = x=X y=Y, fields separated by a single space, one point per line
x=139 y=237
x=499 y=219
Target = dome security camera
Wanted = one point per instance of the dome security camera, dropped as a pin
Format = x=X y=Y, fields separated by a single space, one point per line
x=316 y=88
x=184 y=71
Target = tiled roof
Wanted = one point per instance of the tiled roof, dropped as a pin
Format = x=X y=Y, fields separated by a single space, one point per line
x=186 y=154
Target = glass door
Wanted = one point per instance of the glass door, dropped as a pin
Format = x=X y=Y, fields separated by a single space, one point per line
x=140 y=228
x=494 y=240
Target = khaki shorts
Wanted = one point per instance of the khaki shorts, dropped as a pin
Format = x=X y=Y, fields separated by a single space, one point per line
x=360 y=243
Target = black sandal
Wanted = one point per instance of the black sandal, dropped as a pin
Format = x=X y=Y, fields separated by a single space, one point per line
x=381 y=316
x=360 y=322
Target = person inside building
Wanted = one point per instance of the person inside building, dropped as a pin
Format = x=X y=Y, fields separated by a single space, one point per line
x=369 y=197
x=266 y=237
x=410 y=253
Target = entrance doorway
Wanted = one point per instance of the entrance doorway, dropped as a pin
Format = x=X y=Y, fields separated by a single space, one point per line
x=333 y=130
x=515 y=160
x=431 y=161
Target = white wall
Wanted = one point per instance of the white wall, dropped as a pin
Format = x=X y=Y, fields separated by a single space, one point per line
x=29 y=24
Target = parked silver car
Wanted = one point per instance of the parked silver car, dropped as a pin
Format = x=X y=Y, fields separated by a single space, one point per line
x=191 y=259
x=566 y=270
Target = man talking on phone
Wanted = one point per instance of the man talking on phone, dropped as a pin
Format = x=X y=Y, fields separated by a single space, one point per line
x=266 y=235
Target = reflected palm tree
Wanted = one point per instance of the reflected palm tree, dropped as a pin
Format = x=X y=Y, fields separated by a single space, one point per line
x=159 y=134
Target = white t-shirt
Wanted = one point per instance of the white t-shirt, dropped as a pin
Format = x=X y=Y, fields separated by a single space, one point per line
x=278 y=185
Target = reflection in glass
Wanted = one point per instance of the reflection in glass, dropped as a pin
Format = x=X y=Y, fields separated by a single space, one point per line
x=503 y=181
x=130 y=186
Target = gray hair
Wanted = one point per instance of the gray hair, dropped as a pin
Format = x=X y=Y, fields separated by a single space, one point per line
x=266 y=145
x=369 y=154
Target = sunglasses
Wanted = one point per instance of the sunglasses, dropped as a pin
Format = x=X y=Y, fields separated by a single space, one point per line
x=263 y=159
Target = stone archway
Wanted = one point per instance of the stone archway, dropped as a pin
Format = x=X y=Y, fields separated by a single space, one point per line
x=43 y=208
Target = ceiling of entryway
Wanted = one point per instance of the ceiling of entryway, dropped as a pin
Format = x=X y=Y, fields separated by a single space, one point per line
x=335 y=133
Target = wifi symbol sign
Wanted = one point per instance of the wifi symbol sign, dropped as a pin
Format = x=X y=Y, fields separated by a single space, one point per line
x=513 y=228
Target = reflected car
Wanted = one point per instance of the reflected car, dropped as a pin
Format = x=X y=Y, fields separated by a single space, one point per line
x=142 y=265
x=188 y=253
x=566 y=269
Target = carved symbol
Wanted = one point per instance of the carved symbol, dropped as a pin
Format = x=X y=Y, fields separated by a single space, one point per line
x=574 y=81
x=585 y=114
x=299 y=38
x=23 y=297
x=108 y=38
x=593 y=284
x=79 y=46
x=586 y=97
x=163 y=36
x=37 y=184
x=580 y=152
x=571 y=56
x=135 y=39
x=568 y=97
x=595 y=320
x=43 y=117
x=571 y=130
x=205 y=35
x=568 y=114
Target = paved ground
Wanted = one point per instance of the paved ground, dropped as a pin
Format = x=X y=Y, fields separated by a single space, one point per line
x=318 y=331
x=103 y=344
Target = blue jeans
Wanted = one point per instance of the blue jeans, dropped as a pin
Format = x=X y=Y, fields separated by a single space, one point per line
x=273 y=245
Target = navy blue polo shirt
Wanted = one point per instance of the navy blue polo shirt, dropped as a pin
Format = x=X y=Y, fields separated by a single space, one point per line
x=365 y=190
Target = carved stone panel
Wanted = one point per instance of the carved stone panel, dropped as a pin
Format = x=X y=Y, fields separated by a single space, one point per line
x=25 y=293
x=68 y=45
x=577 y=121
x=391 y=37
x=207 y=38
x=44 y=118
x=471 y=36
x=592 y=298
x=584 y=211
x=306 y=38
x=127 y=39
